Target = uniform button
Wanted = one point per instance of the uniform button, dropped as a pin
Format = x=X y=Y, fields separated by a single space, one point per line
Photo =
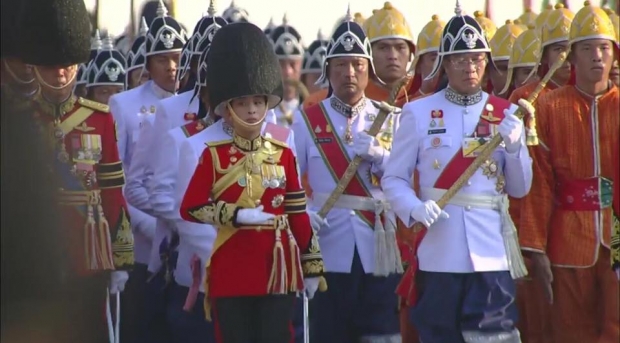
x=467 y=208
x=469 y=183
x=352 y=213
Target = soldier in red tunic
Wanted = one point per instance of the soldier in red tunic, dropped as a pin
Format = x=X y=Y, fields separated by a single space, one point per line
x=83 y=155
x=248 y=187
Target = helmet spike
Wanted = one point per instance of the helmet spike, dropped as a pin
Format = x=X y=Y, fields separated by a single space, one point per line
x=96 y=43
x=457 y=8
x=162 y=11
x=144 y=28
x=108 y=42
x=211 y=10
x=348 y=16
x=319 y=35
x=285 y=20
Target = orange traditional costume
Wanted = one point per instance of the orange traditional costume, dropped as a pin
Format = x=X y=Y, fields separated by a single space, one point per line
x=568 y=213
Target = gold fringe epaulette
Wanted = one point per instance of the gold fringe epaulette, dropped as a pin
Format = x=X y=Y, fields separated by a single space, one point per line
x=218 y=143
x=93 y=105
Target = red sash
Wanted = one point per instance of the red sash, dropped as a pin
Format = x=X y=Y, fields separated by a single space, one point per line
x=492 y=114
x=334 y=154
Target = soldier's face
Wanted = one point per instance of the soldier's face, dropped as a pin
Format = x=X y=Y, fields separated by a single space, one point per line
x=519 y=76
x=291 y=70
x=551 y=54
x=426 y=64
x=250 y=109
x=465 y=71
x=498 y=75
x=614 y=74
x=390 y=58
x=163 y=69
x=348 y=77
x=102 y=94
x=57 y=76
x=593 y=59
x=136 y=78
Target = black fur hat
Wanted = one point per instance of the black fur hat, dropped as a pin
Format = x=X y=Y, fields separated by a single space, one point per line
x=57 y=32
x=11 y=42
x=241 y=62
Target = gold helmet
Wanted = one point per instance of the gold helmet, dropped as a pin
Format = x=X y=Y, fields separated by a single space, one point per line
x=542 y=17
x=525 y=53
x=528 y=17
x=503 y=40
x=591 y=23
x=557 y=26
x=429 y=38
x=388 y=23
x=615 y=19
x=487 y=25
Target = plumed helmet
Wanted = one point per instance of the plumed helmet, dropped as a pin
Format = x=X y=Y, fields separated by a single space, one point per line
x=315 y=55
x=349 y=39
x=95 y=45
x=241 y=62
x=136 y=56
x=235 y=14
x=287 y=41
x=165 y=34
x=462 y=34
x=108 y=68
x=57 y=32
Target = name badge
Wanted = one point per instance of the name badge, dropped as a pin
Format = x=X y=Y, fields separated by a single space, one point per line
x=472 y=146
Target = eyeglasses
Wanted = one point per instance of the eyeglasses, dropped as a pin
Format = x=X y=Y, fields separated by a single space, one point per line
x=462 y=63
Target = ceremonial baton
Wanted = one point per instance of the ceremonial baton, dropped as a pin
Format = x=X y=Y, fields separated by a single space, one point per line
x=490 y=147
x=385 y=109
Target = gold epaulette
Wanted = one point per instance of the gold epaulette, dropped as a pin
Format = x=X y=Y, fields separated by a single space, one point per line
x=218 y=143
x=94 y=105
x=276 y=142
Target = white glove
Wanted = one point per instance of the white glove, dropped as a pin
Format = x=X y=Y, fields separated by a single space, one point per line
x=368 y=148
x=118 y=279
x=511 y=130
x=316 y=221
x=254 y=216
x=311 y=285
x=428 y=213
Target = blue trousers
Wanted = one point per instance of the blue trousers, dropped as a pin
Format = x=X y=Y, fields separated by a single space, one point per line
x=187 y=327
x=133 y=306
x=355 y=305
x=157 y=330
x=451 y=303
x=298 y=320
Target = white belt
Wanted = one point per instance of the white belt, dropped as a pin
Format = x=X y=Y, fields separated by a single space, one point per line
x=353 y=202
x=494 y=202
x=387 y=255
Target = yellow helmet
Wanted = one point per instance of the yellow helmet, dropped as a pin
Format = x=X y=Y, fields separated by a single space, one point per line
x=615 y=19
x=359 y=18
x=388 y=23
x=591 y=23
x=528 y=17
x=525 y=53
x=487 y=24
x=429 y=38
x=557 y=26
x=503 y=40
x=542 y=17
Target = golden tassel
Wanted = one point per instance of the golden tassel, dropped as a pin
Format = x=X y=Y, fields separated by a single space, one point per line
x=105 y=241
x=90 y=240
x=295 y=261
x=206 y=303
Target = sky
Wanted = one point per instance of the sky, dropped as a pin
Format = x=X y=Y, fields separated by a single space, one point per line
x=308 y=16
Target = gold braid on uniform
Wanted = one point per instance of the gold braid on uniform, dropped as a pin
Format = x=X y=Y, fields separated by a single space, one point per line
x=122 y=246
x=295 y=202
x=110 y=175
x=311 y=259
x=218 y=214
